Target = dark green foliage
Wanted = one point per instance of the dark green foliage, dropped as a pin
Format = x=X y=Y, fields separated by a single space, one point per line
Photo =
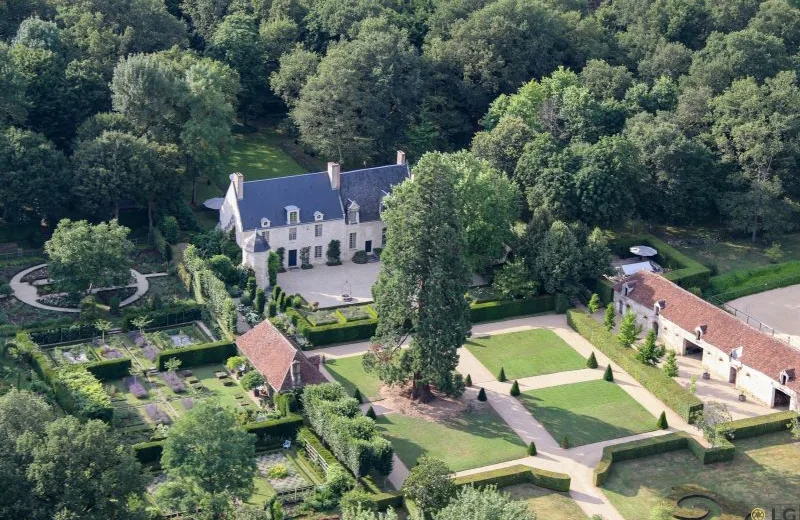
x=608 y=375
x=175 y=314
x=360 y=257
x=502 y=375
x=335 y=332
x=743 y=282
x=109 y=369
x=661 y=424
x=170 y=229
x=336 y=417
x=684 y=270
x=286 y=403
x=357 y=396
x=482 y=395
x=259 y=300
x=562 y=303
x=761 y=425
x=196 y=355
x=532 y=449
x=518 y=474
x=498 y=310
x=468 y=380
x=273 y=309
x=333 y=253
x=653 y=379
x=113 y=305
x=273 y=266
x=515 y=389
x=592 y=361
x=251 y=380
x=371 y=414
x=610 y=318
x=251 y=286
x=82 y=394
x=565 y=442
x=671 y=364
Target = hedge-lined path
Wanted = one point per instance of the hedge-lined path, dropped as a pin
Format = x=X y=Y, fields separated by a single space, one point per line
x=578 y=462
x=399 y=470
x=26 y=292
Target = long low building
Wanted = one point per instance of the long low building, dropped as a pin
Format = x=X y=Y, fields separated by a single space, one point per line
x=753 y=361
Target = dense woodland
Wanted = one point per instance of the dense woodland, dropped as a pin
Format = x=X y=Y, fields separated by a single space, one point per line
x=674 y=111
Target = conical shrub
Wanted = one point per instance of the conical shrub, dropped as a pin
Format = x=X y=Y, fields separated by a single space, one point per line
x=371 y=413
x=357 y=395
x=565 y=442
x=468 y=380
x=502 y=375
x=532 y=449
x=608 y=375
x=482 y=395
x=592 y=361
x=515 y=389
x=662 y=421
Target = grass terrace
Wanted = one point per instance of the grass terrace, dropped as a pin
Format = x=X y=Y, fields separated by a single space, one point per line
x=547 y=504
x=258 y=155
x=588 y=412
x=763 y=473
x=474 y=439
x=350 y=373
x=525 y=354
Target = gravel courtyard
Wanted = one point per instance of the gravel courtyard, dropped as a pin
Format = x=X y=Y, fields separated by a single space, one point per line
x=778 y=308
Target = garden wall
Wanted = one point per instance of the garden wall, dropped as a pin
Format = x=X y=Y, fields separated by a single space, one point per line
x=683 y=402
x=684 y=270
x=176 y=314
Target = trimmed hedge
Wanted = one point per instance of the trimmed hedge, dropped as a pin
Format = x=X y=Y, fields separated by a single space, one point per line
x=743 y=282
x=684 y=271
x=381 y=499
x=109 y=369
x=187 y=311
x=603 y=288
x=275 y=431
x=656 y=445
x=498 y=310
x=148 y=452
x=755 y=426
x=10 y=330
x=517 y=474
x=207 y=353
x=80 y=393
x=335 y=332
x=64 y=334
x=683 y=402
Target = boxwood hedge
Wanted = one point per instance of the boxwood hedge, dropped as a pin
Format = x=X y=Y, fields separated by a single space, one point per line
x=655 y=445
x=743 y=282
x=516 y=475
x=498 y=310
x=274 y=432
x=109 y=369
x=755 y=426
x=684 y=271
x=683 y=402
x=203 y=354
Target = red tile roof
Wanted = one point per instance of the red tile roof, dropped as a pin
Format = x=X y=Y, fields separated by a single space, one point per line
x=272 y=354
x=761 y=351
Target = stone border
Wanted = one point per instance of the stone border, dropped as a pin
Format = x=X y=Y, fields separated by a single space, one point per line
x=26 y=292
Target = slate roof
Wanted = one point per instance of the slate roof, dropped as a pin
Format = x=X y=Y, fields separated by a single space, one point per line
x=367 y=187
x=272 y=354
x=268 y=198
x=761 y=351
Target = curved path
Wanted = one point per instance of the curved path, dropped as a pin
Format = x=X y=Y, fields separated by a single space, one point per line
x=26 y=292
x=578 y=462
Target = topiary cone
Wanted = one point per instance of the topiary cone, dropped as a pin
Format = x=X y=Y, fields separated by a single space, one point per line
x=608 y=375
x=371 y=413
x=565 y=442
x=592 y=361
x=662 y=421
x=502 y=375
x=357 y=395
x=482 y=395
x=532 y=449
x=515 y=389
x=468 y=380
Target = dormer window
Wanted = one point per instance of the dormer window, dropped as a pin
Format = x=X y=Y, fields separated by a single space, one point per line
x=265 y=223
x=699 y=331
x=786 y=375
x=352 y=213
x=737 y=353
x=292 y=215
x=318 y=216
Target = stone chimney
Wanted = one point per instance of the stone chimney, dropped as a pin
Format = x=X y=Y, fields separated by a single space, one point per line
x=295 y=370
x=335 y=175
x=237 y=179
x=401 y=157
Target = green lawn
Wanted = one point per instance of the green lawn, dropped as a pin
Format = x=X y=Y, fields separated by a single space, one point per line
x=728 y=254
x=545 y=503
x=527 y=353
x=588 y=412
x=349 y=372
x=470 y=441
x=763 y=472
x=258 y=155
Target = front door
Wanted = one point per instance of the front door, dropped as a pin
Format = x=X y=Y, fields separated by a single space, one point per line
x=368 y=246
x=293 y=258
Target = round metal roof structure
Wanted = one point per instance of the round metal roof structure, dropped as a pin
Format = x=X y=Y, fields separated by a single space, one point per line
x=643 y=251
x=215 y=203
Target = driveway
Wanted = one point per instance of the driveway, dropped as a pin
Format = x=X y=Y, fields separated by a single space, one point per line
x=326 y=284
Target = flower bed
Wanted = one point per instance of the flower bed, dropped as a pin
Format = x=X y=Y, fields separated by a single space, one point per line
x=136 y=387
x=37 y=274
x=355 y=312
x=156 y=414
x=61 y=300
x=174 y=381
x=322 y=317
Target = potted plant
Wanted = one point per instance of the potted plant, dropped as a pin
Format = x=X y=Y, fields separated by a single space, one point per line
x=742 y=397
x=706 y=373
